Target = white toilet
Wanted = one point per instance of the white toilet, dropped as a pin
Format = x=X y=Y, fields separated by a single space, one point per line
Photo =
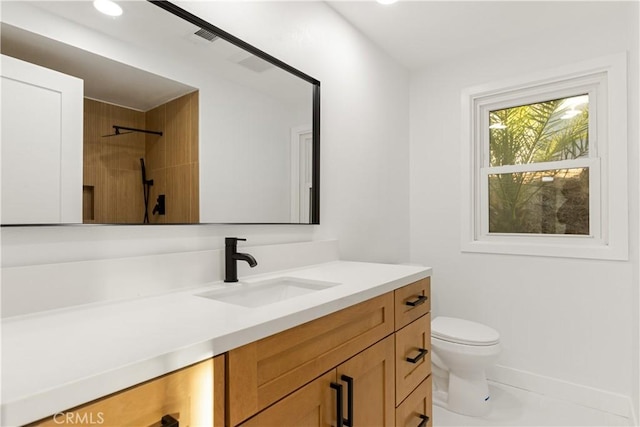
x=461 y=350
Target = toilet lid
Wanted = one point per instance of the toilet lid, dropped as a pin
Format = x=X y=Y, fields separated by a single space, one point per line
x=463 y=331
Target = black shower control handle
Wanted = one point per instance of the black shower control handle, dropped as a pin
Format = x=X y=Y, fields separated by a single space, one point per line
x=160 y=207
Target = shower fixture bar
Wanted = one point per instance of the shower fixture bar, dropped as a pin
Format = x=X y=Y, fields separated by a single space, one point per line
x=119 y=129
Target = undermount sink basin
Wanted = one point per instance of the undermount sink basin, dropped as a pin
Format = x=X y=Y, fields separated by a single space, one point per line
x=265 y=292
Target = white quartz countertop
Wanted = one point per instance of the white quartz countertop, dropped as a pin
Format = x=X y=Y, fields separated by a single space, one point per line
x=56 y=360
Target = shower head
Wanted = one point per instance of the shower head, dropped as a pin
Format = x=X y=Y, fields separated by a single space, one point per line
x=143 y=169
x=144 y=172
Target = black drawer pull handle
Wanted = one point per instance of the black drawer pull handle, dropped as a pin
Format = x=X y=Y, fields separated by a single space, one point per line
x=424 y=421
x=338 y=389
x=349 y=420
x=421 y=299
x=420 y=356
x=169 y=421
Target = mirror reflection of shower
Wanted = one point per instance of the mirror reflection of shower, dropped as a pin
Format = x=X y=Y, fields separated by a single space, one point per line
x=125 y=147
x=146 y=183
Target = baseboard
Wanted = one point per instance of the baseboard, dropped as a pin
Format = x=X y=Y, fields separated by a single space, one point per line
x=602 y=400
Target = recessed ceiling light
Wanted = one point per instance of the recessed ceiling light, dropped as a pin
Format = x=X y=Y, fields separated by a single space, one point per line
x=107 y=7
x=386 y=1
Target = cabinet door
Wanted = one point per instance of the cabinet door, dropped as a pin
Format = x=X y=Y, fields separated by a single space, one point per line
x=372 y=376
x=314 y=405
x=41 y=145
x=186 y=395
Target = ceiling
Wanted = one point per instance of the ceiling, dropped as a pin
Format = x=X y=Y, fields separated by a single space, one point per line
x=418 y=34
x=143 y=27
x=104 y=79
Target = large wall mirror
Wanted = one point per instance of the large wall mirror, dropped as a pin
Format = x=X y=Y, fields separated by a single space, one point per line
x=150 y=117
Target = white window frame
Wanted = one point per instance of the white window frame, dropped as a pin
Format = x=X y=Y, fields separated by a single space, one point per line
x=605 y=80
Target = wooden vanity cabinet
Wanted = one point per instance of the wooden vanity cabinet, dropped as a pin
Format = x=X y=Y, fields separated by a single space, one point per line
x=379 y=350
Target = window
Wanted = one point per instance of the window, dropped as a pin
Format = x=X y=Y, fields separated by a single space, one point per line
x=545 y=164
x=538 y=166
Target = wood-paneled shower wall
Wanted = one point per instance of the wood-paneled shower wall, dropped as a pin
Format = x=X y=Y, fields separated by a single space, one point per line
x=113 y=191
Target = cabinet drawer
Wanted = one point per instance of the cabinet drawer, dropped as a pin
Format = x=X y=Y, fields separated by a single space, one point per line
x=186 y=395
x=416 y=410
x=413 y=356
x=412 y=301
x=262 y=372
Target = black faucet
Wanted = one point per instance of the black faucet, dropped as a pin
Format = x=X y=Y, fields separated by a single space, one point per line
x=231 y=256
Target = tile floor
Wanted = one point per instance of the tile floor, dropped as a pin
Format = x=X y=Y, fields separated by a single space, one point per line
x=517 y=407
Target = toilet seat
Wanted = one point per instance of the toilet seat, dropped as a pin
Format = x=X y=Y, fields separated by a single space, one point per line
x=463 y=332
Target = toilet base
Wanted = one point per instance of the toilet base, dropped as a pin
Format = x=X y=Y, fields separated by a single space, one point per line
x=468 y=395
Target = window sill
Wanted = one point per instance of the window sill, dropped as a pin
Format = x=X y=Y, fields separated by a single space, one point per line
x=528 y=246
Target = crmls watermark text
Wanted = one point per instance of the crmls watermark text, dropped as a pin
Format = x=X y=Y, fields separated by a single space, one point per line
x=79 y=418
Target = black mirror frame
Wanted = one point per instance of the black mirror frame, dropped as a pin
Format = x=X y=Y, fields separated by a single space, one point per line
x=315 y=175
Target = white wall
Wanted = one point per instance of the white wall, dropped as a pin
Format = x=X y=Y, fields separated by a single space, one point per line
x=570 y=320
x=365 y=126
x=364 y=146
x=246 y=151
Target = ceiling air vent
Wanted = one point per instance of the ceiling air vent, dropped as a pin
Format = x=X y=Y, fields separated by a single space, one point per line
x=255 y=64
x=205 y=34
